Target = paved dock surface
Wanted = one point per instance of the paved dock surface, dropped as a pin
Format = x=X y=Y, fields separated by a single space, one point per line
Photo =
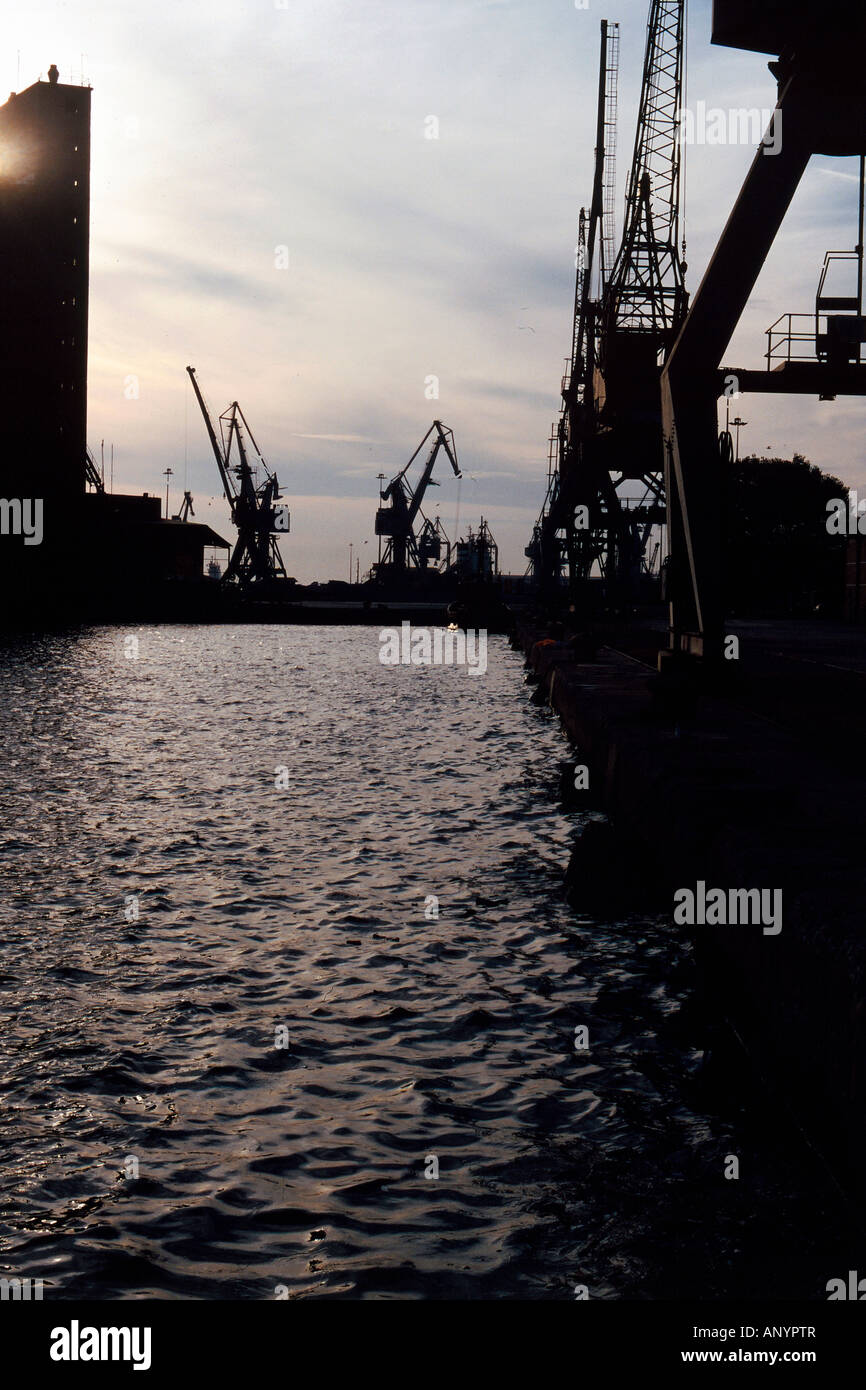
x=759 y=785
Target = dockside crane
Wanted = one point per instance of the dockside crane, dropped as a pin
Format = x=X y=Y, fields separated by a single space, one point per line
x=816 y=54
x=609 y=436
x=557 y=550
x=396 y=521
x=256 y=510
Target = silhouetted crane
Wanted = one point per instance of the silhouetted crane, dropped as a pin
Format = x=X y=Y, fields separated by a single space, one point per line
x=256 y=511
x=609 y=431
x=397 y=521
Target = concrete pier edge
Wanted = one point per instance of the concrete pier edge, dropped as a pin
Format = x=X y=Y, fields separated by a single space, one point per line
x=726 y=797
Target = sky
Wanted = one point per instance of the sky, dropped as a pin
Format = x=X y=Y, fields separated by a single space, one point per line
x=231 y=137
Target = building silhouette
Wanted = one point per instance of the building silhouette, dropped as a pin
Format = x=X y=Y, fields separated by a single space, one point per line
x=99 y=554
x=44 y=250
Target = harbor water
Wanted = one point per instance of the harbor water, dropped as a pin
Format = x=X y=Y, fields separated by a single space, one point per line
x=291 y=998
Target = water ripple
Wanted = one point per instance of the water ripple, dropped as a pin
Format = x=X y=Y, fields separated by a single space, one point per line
x=168 y=909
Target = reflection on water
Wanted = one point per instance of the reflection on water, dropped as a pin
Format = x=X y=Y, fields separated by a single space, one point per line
x=254 y=836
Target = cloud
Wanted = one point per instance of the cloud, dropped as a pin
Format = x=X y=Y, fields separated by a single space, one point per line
x=339 y=438
x=218 y=138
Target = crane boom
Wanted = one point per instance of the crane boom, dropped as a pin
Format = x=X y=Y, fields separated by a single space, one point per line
x=214 y=442
x=646 y=291
x=442 y=441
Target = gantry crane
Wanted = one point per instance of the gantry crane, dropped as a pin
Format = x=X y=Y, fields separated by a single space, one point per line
x=396 y=521
x=256 y=509
x=817 y=61
x=626 y=316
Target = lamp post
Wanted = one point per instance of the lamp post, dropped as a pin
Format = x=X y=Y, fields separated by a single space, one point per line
x=738 y=425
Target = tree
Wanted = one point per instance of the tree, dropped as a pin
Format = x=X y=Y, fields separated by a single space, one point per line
x=780 y=558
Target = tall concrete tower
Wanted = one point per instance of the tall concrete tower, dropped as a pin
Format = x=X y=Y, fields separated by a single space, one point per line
x=44 y=267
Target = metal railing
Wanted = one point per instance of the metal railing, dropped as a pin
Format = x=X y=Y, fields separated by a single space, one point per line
x=792 y=338
x=807 y=338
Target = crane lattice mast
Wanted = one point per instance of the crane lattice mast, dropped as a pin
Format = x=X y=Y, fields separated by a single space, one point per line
x=645 y=292
x=609 y=433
